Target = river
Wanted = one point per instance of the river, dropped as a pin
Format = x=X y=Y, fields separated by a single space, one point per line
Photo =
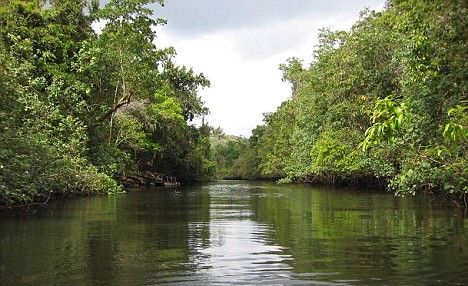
x=237 y=233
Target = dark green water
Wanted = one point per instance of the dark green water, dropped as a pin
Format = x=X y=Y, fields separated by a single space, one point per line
x=237 y=233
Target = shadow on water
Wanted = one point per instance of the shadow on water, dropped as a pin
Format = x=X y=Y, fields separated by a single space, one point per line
x=237 y=233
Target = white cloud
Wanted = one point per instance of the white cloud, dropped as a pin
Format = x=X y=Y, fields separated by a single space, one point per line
x=240 y=90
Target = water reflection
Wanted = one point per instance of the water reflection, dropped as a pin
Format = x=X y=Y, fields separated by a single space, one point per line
x=237 y=233
x=367 y=238
x=239 y=251
x=238 y=254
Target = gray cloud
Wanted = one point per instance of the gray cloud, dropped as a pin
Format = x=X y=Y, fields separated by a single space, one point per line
x=191 y=18
x=264 y=42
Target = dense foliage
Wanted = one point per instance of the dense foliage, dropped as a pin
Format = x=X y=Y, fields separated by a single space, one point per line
x=385 y=102
x=81 y=110
x=225 y=151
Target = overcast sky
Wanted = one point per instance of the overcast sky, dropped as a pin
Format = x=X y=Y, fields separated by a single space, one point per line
x=239 y=45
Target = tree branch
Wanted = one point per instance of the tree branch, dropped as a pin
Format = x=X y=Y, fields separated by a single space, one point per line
x=122 y=101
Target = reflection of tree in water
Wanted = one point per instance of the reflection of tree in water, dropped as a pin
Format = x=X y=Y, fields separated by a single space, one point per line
x=102 y=252
x=215 y=234
x=163 y=230
x=363 y=235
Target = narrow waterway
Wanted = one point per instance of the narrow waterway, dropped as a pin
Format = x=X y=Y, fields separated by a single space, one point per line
x=237 y=233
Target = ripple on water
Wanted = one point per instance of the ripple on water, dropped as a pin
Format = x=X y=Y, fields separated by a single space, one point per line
x=238 y=252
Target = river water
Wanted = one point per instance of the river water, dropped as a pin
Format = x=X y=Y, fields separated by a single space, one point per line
x=237 y=233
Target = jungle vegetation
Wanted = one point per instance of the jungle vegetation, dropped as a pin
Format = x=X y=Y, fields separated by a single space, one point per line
x=82 y=110
x=384 y=103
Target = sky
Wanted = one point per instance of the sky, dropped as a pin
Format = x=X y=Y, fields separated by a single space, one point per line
x=239 y=44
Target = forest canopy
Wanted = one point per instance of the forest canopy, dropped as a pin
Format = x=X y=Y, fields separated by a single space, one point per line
x=384 y=103
x=80 y=111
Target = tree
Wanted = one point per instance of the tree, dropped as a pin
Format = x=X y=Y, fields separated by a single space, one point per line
x=79 y=111
x=395 y=85
x=225 y=151
x=43 y=137
x=136 y=87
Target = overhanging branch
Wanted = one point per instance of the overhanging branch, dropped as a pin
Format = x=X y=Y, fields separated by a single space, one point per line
x=122 y=101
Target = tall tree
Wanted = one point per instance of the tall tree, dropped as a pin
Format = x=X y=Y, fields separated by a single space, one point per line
x=395 y=85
